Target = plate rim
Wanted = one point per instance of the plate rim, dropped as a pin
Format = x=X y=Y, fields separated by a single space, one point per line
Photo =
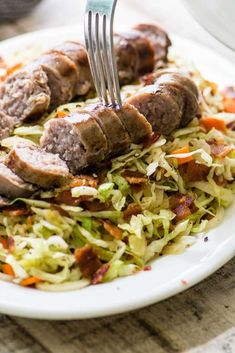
x=227 y=247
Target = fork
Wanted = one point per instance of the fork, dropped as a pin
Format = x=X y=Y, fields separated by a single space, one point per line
x=98 y=30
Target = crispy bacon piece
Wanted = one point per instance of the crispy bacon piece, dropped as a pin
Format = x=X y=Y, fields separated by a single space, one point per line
x=231 y=125
x=132 y=210
x=84 y=180
x=14 y=211
x=94 y=205
x=181 y=205
x=154 y=138
x=100 y=273
x=193 y=171
x=87 y=260
x=112 y=230
x=219 y=149
x=66 y=198
x=134 y=177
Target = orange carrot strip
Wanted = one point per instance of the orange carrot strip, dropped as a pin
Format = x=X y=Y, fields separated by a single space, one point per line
x=229 y=105
x=8 y=270
x=181 y=151
x=209 y=123
x=61 y=114
x=29 y=281
x=3 y=242
x=113 y=230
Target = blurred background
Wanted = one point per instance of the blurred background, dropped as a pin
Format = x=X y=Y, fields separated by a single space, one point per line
x=41 y=14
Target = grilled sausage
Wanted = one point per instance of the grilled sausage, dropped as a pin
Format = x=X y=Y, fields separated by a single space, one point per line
x=36 y=166
x=7 y=124
x=13 y=186
x=25 y=94
x=159 y=39
x=77 y=139
x=62 y=77
x=117 y=136
x=137 y=126
x=77 y=53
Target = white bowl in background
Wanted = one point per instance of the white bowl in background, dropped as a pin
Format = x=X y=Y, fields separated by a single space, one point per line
x=216 y=16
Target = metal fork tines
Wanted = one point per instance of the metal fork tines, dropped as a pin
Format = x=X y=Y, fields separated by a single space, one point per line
x=99 y=42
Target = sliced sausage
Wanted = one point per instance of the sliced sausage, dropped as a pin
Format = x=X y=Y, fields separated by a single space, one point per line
x=13 y=186
x=36 y=166
x=77 y=53
x=159 y=107
x=25 y=94
x=135 y=123
x=117 y=136
x=159 y=39
x=144 y=49
x=62 y=77
x=127 y=59
x=78 y=139
x=7 y=124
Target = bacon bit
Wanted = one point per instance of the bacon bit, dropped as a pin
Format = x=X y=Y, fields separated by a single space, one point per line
x=219 y=150
x=184 y=282
x=13 y=211
x=181 y=151
x=181 y=205
x=112 y=230
x=231 y=125
x=100 y=273
x=134 y=177
x=8 y=270
x=94 y=205
x=61 y=114
x=147 y=268
x=3 y=242
x=219 y=179
x=10 y=244
x=87 y=260
x=84 y=180
x=210 y=122
x=29 y=281
x=132 y=209
x=66 y=198
x=154 y=138
x=193 y=171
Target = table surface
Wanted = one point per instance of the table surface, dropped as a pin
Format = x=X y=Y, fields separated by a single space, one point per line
x=202 y=319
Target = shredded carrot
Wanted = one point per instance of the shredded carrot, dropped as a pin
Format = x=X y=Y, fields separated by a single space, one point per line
x=3 y=242
x=112 y=230
x=209 y=123
x=61 y=114
x=229 y=105
x=8 y=270
x=29 y=281
x=181 y=151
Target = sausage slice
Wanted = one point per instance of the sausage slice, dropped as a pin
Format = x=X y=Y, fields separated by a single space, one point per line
x=159 y=39
x=13 y=186
x=77 y=53
x=36 y=166
x=62 y=77
x=159 y=107
x=137 y=126
x=25 y=94
x=78 y=139
x=117 y=136
x=7 y=124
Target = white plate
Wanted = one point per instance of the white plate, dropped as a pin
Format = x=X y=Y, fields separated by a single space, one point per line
x=170 y=274
x=216 y=16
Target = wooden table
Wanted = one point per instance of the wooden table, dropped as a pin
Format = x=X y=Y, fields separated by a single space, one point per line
x=202 y=319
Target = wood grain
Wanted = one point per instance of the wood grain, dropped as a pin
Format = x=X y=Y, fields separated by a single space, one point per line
x=185 y=321
x=203 y=316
